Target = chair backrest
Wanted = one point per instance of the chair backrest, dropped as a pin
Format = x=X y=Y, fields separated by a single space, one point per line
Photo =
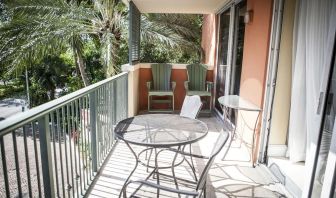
x=161 y=73
x=197 y=76
x=191 y=106
x=221 y=140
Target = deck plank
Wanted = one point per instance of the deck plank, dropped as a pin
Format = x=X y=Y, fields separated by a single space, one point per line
x=233 y=177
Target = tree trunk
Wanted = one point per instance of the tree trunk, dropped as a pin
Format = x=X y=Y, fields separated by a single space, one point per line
x=81 y=66
x=52 y=94
x=110 y=70
x=112 y=67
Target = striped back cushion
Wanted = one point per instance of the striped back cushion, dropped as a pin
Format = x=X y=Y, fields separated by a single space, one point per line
x=161 y=73
x=197 y=76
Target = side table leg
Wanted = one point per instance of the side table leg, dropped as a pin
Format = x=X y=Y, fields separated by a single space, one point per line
x=253 y=140
x=227 y=150
x=233 y=134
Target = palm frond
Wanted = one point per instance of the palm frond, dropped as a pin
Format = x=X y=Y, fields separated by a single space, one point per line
x=39 y=28
x=109 y=54
x=156 y=30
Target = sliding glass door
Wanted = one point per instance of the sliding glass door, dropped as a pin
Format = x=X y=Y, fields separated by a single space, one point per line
x=323 y=182
x=223 y=56
x=239 y=35
x=230 y=51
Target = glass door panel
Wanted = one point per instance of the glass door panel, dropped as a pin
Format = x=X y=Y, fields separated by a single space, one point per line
x=325 y=152
x=230 y=52
x=239 y=34
x=223 y=48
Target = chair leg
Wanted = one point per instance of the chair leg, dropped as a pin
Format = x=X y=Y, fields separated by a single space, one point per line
x=192 y=163
x=205 y=190
x=124 y=193
x=148 y=102
x=148 y=161
x=173 y=103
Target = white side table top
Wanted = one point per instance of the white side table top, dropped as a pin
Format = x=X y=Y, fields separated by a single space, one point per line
x=237 y=102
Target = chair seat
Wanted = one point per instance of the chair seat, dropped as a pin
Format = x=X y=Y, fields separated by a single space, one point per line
x=160 y=93
x=199 y=93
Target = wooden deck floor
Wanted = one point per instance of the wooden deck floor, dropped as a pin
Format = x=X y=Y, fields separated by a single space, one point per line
x=233 y=177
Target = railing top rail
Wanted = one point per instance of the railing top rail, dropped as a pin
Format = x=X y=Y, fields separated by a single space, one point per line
x=13 y=122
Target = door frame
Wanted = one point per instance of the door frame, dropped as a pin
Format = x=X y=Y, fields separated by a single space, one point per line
x=328 y=188
x=312 y=156
x=272 y=69
x=231 y=6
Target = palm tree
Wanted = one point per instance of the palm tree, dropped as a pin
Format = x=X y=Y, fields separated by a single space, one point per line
x=39 y=28
x=49 y=75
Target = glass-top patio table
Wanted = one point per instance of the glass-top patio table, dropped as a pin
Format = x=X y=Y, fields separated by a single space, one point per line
x=161 y=131
x=238 y=103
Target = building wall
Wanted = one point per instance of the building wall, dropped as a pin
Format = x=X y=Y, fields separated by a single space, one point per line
x=133 y=84
x=209 y=38
x=179 y=75
x=255 y=57
x=256 y=46
x=282 y=97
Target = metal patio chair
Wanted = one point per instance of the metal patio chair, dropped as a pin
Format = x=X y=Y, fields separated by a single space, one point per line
x=197 y=84
x=191 y=106
x=199 y=186
x=161 y=85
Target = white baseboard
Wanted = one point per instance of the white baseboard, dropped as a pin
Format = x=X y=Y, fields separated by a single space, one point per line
x=277 y=150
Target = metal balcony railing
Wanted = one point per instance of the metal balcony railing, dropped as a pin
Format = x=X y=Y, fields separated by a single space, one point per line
x=56 y=149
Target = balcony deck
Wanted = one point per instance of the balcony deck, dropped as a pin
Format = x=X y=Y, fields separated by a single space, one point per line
x=233 y=177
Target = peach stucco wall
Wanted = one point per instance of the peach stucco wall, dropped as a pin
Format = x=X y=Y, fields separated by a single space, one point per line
x=255 y=56
x=256 y=46
x=209 y=39
x=178 y=75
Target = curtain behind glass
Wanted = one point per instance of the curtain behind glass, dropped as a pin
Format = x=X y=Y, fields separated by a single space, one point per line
x=312 y=31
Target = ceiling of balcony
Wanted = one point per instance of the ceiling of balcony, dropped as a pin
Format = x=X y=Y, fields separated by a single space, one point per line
x=179 y=6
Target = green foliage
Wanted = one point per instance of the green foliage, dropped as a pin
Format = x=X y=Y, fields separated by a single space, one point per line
x=37 y=29
x=3 y=13
x=156 y=53
x=186 y=28
x=4 y=76
x=50 y=36
x=68 y=77
x=10 y=90
x=53 y=72
x=92 y=56
x=49 y=74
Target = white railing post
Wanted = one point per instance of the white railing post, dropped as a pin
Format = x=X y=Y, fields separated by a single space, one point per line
x=46 y=158
x=93 y=120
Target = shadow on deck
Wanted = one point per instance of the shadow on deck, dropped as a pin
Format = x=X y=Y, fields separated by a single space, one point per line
x=233 y=177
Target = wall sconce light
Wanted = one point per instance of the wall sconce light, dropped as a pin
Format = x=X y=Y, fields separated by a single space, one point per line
x=248 y=16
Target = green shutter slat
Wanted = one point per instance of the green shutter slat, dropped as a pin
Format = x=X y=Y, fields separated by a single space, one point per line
x=134 y=34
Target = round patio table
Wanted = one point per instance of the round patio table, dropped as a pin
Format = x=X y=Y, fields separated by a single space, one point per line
x=159 y=131
x=238 y=103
